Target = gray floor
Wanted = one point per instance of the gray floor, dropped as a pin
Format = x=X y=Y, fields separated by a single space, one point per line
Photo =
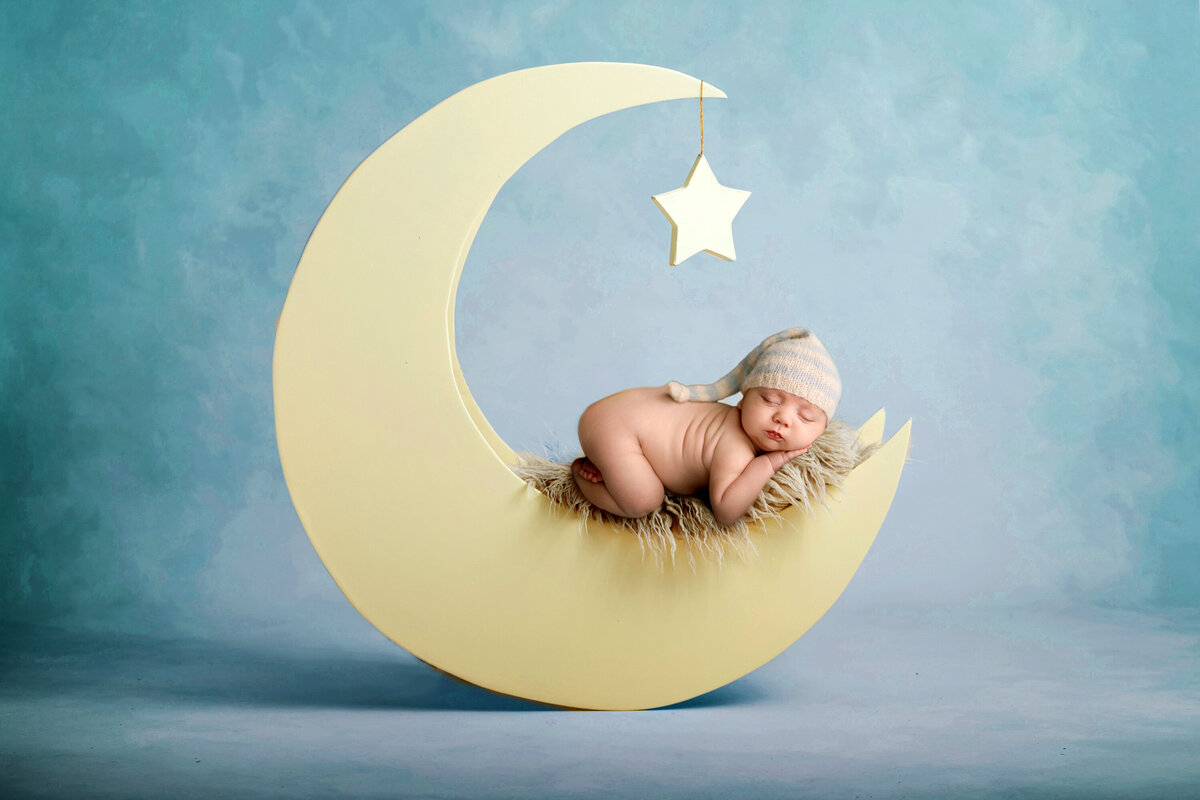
x=1020 y=704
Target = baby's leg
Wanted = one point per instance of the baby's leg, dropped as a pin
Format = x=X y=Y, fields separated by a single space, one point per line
x=630 y=486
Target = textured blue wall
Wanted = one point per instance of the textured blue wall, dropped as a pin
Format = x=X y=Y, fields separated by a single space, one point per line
x=988 y=212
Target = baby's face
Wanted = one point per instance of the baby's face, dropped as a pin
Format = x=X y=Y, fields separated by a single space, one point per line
x=776 y=420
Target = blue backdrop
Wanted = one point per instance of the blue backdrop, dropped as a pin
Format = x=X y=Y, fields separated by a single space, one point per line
x=988 y=212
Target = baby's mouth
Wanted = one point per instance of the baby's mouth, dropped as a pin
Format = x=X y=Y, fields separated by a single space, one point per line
x=774 y=436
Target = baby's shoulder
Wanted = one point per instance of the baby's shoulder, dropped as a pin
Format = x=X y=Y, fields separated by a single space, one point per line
x=732 y=449
x=727 y=433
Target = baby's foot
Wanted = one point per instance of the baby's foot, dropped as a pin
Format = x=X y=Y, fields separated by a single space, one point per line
x=587 y=470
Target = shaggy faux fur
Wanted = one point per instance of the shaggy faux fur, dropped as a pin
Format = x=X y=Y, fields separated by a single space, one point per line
x=687 y=520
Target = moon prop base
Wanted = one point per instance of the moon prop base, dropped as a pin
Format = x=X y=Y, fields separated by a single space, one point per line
x=495 y=588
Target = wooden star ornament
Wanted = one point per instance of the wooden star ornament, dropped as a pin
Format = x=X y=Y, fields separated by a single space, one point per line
x=701 y=214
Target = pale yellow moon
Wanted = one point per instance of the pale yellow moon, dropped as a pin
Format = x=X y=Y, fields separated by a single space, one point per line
x=405 y=490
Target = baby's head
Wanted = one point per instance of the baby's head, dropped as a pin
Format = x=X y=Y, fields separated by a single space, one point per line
x=791 y=367
x=794 y=361
x=777 y=420
x=789 y=393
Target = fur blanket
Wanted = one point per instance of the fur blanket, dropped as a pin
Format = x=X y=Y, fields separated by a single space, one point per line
x=687 y=521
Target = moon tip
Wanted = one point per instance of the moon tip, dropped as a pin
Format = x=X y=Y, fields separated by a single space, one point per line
x=871 y=431
x=903 y=436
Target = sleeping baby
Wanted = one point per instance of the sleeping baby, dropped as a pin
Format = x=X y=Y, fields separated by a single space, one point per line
x=639 y=442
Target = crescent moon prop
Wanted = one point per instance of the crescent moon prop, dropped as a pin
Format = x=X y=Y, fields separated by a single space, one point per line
x=405 y=490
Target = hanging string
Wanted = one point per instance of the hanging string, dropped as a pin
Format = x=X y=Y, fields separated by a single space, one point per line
x=701 y=117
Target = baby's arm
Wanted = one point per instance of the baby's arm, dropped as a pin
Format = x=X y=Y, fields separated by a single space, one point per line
x=738 y=476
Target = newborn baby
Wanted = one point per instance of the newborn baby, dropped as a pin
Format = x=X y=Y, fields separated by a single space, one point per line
x=638 y=442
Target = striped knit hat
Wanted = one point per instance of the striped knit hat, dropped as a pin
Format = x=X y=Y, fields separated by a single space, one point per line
x=792 y=361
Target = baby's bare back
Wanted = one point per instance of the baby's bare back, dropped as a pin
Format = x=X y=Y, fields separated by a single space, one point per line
x=677 y=439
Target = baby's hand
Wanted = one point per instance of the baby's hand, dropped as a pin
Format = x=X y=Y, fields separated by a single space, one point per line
x=778 y=458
